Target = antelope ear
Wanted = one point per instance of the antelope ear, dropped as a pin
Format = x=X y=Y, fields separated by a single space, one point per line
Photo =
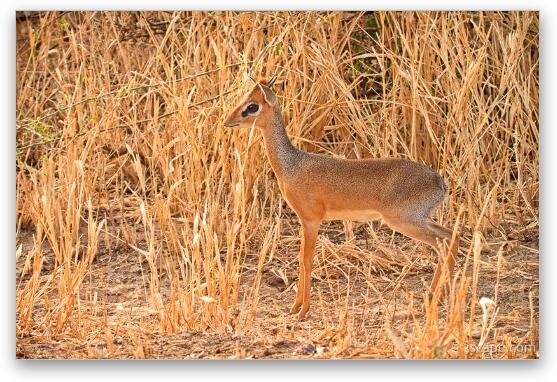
x=268 y=94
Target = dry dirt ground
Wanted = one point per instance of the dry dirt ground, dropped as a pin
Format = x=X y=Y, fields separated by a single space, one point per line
x=352 y=297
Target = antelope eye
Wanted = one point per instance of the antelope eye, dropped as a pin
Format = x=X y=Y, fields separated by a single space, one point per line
x=252 y=108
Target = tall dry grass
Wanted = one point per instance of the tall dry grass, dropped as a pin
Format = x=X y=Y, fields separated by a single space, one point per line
x=121 y=149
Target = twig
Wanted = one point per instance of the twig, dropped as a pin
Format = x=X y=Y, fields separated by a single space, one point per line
x=58 y=139
x=101 y=96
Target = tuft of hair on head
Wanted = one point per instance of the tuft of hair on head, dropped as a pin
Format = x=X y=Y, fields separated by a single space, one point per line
x=268 y=82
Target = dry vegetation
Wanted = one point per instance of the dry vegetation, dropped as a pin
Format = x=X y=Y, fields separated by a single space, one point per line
x=147 y=229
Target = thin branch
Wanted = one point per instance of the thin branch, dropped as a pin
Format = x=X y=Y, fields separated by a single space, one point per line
x=58 y=139
x=110 y=93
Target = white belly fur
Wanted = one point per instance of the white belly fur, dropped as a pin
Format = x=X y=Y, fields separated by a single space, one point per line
x=355 y=215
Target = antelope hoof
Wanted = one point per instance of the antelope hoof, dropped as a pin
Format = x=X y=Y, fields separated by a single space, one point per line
x=303 y=312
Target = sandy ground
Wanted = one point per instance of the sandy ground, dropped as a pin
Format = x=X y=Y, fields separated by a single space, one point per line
x=351 y=299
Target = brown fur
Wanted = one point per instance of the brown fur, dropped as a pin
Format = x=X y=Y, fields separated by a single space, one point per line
x=401 y=192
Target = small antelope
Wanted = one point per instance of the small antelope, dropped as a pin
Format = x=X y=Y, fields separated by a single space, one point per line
x=401 y=192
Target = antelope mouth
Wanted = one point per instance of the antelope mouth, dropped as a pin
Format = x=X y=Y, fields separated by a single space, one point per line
x=232 y=124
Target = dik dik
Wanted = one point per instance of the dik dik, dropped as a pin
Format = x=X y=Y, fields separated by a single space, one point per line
x=401 y=192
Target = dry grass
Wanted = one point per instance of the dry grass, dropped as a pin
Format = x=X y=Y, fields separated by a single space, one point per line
x=147 y=229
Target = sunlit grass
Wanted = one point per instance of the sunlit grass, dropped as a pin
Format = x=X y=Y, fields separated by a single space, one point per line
x=121 y=149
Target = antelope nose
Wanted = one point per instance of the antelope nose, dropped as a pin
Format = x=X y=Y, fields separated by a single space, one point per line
x=230 y=123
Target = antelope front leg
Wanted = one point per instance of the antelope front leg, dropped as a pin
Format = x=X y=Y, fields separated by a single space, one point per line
x=307 y=247
x=299 y=293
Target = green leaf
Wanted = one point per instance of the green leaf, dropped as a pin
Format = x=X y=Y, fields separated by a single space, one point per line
x=438 y=352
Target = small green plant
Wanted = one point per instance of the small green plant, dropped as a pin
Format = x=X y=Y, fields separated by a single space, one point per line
x=64 y=24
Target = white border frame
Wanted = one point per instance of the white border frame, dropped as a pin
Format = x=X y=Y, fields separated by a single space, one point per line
x=286 y=370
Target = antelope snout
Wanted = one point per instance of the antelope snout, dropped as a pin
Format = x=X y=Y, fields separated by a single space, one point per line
x=231 y=122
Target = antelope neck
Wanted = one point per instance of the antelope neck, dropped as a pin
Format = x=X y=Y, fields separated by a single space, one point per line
x=280 y=151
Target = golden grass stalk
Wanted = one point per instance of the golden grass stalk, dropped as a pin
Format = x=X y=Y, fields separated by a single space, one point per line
x=119 y=135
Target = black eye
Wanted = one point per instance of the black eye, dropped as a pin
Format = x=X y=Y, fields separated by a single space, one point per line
x=252 y=108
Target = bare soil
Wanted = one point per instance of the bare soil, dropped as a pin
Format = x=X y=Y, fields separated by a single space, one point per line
x=351 y=303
